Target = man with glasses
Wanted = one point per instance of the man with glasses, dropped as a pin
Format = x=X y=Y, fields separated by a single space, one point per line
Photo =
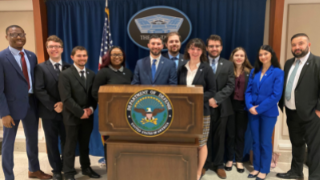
x=17 y=102
x=50 y=106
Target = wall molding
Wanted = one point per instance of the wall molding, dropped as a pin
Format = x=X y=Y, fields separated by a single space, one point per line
x=22 y=5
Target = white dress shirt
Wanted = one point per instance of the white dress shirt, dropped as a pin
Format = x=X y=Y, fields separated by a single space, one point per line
x=191 y=74
x=157 y=62
x=291 y=104
x=53 y=63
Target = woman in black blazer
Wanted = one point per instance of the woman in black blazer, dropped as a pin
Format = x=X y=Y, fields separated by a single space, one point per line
x=197 y=71
x=238 y=122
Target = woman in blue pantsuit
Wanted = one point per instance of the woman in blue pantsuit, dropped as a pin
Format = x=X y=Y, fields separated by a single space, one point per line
x=262 y=95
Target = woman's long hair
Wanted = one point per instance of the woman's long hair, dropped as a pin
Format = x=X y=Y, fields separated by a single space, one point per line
x=196 y=42
x=246 y=65
x=106 y=59
x=274 y=59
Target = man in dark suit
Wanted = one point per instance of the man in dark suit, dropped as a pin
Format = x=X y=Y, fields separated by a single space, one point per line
x=301 y=98
x=155 y=69
x=75 y=84
x=173 y=43
x=17 y=102
x=221 y=107
x=50 y=106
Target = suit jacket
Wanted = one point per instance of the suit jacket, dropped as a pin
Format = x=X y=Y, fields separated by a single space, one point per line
x=75 y=95
x=46 y=89
x=265 y=93
x=225 y=86
x=181 y=60
x=205 y=78
x=14 y=99
x=166 y=72
x=307 y=91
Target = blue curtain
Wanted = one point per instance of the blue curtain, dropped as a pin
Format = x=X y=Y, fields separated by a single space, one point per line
x=79 y=23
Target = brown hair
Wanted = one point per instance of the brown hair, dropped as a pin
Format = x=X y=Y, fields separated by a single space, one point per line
x=172 y=34
x=214 y=37
x=246 y=66
x=54 y=38
x=196 y=42
x=75 y=49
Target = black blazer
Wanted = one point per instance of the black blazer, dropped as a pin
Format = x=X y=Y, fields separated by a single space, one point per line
x=46 y=89
x=75 y=95
x=225 y=86
x=307 y=92
x=205 y=78
x=181 y=60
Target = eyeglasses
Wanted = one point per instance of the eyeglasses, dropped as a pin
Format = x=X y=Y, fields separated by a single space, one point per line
x=212 y=46
x=116 y=55
x=15 y=35
x=55 y=47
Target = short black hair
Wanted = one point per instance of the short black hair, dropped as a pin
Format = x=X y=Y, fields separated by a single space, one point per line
x=214 y=37
x=154 y=36
x=13 y=26
x=299 y=35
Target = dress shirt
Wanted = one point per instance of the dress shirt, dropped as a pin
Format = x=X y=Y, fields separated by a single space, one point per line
x=191 y=74
x=17 y=57
x=291 y=103
x=116 y=70
x=53 y=63
x=175 y=61
x=157 y=62
x=216 y=61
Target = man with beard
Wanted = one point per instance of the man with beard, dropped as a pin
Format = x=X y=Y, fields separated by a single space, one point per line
x=221 y=107
x=155 y=69
x=173 y=43
x=301 y=98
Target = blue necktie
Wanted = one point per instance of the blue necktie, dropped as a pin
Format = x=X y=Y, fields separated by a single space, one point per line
x=214 y=66
x=290 y=81
x=153 y=69
x=175 y=59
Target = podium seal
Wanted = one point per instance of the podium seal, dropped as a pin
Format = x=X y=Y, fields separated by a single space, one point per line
x=149 y=112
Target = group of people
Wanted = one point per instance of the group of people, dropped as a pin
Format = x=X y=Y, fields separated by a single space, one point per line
x=235 y=94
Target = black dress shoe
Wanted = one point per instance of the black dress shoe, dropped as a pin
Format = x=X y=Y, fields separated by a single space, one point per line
x=240 y=170
x=252 y=176
x=289 y=175
x=57 y=176
x=228 y=168
x=89 y=172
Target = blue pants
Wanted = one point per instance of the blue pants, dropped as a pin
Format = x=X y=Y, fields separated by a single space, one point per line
x=262 y=129
x=30 y=126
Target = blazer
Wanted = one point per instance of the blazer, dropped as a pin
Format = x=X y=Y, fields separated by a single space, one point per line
x=205 y=78
x=75 y=95
x=166 y=72
x=307 y=91
x=181 y=60
x=265 y=93
x=46 y=88
x=224 y=86
x=14 y=99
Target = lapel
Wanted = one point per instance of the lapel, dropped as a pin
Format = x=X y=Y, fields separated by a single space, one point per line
x=266 y=75
x=14 y=63
x=51 y=70
x=305 y=68
x=147 y=68
x=160 y=67
x=246 y=77
x=76 y=74
x=198 y=74
x=181 y=60
x=219 y=66
x=30 y=58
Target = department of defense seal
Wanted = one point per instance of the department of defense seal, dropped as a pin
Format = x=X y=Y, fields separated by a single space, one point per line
x=149 y=112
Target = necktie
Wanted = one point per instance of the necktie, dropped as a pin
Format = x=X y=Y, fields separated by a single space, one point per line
x=82 y=77
x=175 y=59
x=57 y=68
x=153 y=69
x=214 y=66
x=24 y=68
x=290 y=81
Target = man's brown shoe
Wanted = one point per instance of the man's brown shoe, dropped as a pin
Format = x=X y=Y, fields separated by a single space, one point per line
x=39 y=175
x=221 y=173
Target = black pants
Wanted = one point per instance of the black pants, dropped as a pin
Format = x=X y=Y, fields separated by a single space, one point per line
x=236 y=129
x=304 y=132
x=216 y=140
x=53 y=128
x=79 y=133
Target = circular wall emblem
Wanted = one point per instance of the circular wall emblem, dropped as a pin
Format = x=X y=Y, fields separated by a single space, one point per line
x=158 y=20
x=149 y=112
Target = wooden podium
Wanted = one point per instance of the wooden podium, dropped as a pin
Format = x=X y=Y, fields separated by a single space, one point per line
x=170 y=156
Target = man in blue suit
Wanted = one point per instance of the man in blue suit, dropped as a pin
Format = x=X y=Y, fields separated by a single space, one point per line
x=17 y=102
x=155 y=69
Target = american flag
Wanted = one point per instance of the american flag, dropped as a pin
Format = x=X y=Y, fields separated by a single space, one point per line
x=106 y=42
